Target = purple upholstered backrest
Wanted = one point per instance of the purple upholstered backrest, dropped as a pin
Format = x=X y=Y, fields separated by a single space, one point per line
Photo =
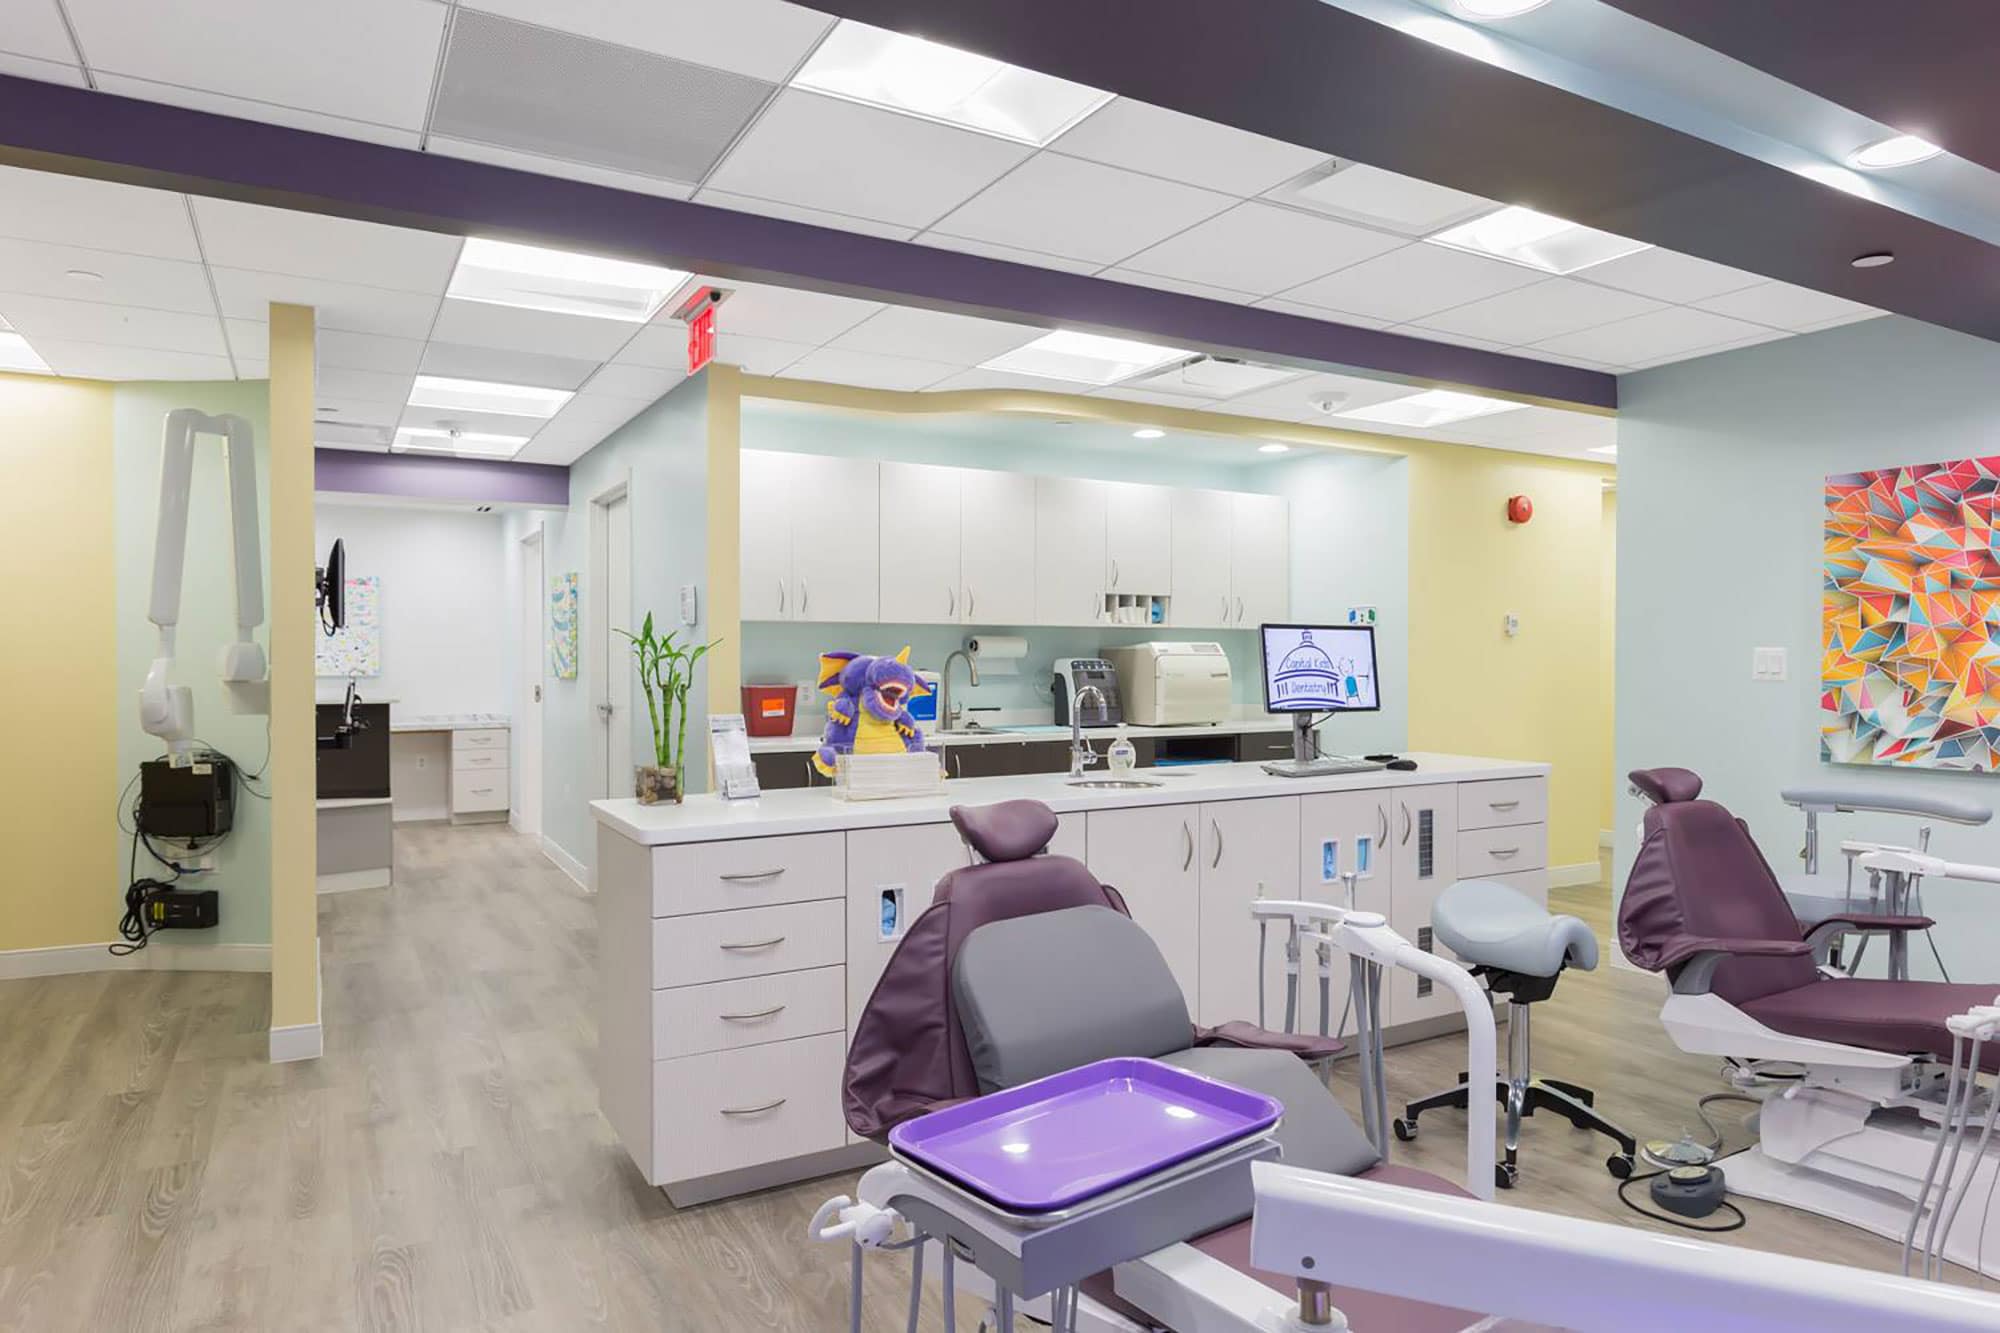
x=1699 y=875
x=1664 y=786
x=908 y=1053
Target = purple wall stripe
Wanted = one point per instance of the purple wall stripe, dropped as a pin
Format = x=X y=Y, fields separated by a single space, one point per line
x=430 y=477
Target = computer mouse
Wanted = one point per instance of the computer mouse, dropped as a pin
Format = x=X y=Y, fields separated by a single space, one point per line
x=1402 y=765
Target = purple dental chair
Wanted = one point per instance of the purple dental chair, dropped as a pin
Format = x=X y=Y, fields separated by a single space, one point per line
x=1025 y=965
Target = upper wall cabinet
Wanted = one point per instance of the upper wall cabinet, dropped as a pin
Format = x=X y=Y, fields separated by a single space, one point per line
x=920 y=544
x=998 y=530
x=1232 y=560
x=1260 y=563
x=811 y=537
x=1069 y=551
x=1138 y=539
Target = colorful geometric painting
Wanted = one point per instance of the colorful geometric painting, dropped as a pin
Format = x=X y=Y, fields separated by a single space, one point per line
x=562 y=626
x=357 y=649
x=1910 y=609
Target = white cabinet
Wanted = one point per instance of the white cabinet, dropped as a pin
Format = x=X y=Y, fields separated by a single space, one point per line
x=1426 y=861
x=1148 y=855
x=1246 y=850
x=1340 y=832
x=997 y=514
x=1259 y=560
x=920 y=544
x=811 y=526
x=1202 y=522
x=1069 y=551
x=1138 y=538
x=890 y=875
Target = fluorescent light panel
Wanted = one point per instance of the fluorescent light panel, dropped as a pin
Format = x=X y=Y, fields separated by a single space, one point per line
x=465 y=444
x=919 y=78
x=1084 y=358
x=15 y=354
x=1432 y=407
x=532 y=278
x=512 y=400
x=1898 y=150
x=1608 y=450
x=1536 y=240
x=1485 y=11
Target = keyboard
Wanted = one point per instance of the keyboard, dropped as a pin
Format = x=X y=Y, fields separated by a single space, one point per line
x=1326 y=766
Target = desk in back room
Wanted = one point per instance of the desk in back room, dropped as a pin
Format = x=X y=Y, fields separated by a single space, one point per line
x=449 y=766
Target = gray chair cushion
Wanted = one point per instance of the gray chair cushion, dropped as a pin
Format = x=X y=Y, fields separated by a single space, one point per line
x=1497 y=925
x=1040 y=994
x=1315 y=1133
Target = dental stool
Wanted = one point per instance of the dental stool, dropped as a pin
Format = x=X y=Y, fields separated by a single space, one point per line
x=1521 y=949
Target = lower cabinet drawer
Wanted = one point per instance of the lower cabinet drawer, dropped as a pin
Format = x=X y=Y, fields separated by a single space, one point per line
x=728 y=1015
x=1485 y=852
x=478 y=761
x=731 y=1109
x=1503 y=801
x=481 y=738
x=478 y=789
x=755 y=942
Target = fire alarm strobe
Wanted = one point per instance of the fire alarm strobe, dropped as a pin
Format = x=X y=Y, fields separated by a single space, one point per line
x=1519 y=509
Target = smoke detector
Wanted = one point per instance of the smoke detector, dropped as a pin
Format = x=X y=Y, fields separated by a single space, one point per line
x=1328 y=404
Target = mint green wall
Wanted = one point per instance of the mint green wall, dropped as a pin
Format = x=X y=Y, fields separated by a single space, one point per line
x=208 y=621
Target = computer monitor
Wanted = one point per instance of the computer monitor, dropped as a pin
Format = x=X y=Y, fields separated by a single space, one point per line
x=1320 y=669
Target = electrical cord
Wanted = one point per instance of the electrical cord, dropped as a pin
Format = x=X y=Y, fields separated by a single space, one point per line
x=134 y=934
x=1739 y=1222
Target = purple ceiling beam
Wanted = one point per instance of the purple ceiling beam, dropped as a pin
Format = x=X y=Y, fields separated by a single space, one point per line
x=1308 y=73
x=77 y=131
x=432 y=477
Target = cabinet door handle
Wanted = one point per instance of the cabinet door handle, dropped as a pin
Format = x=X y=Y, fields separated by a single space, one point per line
x=805 y=596
x=1382 y=823
x=771 y=943
x=1216 y=829
x=951 y=596
x=1504 y=852
x=957 y=763
x=771 y=1105
x=751 y=1018
x=1225 y=608
x=1114 y=573
x=1187 y=833
x=482 y=791
x=1239 y=610
x=781 y=597
x=748 y=875
x=1408 y=824
x=1503 y=805
x=968 y=601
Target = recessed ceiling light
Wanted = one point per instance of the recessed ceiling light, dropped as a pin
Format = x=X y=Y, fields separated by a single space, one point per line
x=1878 y=259
x=532 y=278
x=466 y=443
x=1487 y=10
x=1536 y=240
x=84 y=275
x=1147 y=434
x=918 y=78
x=1432 y=407
x=1084 y=358
x=15 y=354
x=1608 y=450
x=1898 y=150
x=1274 y=448
x=512 y=400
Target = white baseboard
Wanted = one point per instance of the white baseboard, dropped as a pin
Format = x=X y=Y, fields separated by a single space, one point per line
x=1569 y=877
x=163 y=954
x=344 y=881
x=566 y=863
x=304 y=1041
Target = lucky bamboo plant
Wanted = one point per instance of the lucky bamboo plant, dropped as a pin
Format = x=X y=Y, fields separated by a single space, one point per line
x=666 y=673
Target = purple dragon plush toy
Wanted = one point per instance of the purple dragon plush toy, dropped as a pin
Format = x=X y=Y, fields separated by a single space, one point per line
x=868 y=712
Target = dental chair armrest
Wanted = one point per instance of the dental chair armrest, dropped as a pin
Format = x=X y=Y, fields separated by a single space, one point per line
x=1251 y=1037
x=1848 y=923
x=1697 y=958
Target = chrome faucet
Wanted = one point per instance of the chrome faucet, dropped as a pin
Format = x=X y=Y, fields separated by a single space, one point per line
x=945 y=710
x=1081 y=756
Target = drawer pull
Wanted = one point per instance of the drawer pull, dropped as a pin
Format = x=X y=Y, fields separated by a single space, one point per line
x=751 y=1018
x=1503 y=805
x=1504 y=851
x=772 y=1105
x=749 y=875
x=482 y=791
x=771 y=943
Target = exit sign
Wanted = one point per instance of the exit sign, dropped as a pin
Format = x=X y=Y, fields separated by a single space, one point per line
x=701 y=337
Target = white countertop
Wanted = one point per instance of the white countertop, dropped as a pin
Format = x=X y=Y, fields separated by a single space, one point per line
x=1003 y=732
x=447 y=721
x=710 y=818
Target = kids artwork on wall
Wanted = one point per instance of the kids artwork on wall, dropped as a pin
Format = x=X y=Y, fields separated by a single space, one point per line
x=562 y=626
x=1910 y=599
x=357 y=649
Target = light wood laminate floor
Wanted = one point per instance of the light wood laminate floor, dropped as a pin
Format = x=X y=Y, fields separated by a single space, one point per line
x=444 y=1166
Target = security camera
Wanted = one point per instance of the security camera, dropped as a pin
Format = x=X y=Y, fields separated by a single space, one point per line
x=1327 y=404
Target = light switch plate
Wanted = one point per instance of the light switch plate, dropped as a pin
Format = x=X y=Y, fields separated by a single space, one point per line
x=1511 y=624
x=690 y=605
x=1767 y=664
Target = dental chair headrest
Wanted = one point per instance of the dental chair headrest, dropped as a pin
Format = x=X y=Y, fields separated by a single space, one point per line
x=1666 y=786
x=1006 y=831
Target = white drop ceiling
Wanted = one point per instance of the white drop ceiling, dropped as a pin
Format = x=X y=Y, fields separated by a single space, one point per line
x=1132 y=193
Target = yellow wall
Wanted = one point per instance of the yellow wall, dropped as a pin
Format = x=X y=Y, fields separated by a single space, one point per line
x=1607 y=653
x=58 y=663
x=1538 y=695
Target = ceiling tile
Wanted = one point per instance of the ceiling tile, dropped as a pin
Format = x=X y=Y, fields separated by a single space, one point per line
x=1066 y=206
x=1411 y=282
x=357 y=411
x=337 y=305
x=645 y=383
x=364 y=351
x=1130 y=394
x=1143 y=137
x=560 y=448
x=1783 y=306
x=39 y=317
x=43 y=269
x=1181 y=285
x=1012 y=254
x=465 y=149
x=1385 y=199
x=1538 y=311
x=1663 y=333
x=35 y=28
x=252 y=368
x=1666 y=275
x=1448 y=336
x=101 y=361
x=833 y=365
x=196 y=99
x=600 y=414
x=1762 y=335
x=978 y=378
x=662 y=346
x=365 y=60
x=311 y=245
x=822 y=152
x=764 y=311
x=762 y=38
x=1561 y=359
x=757 y=356
x=502 y=365
x=817 y=217
x=372 y=385
x=42 y=71
x=249 y=340
x=480 y=324
x=1294 y=399
x=1286 y=306
x=934 y=336
x=102 y=215
x=471 y=423
x=1261 y=248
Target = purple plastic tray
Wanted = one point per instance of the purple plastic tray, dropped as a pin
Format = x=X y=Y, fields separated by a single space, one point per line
x=1055 y=1142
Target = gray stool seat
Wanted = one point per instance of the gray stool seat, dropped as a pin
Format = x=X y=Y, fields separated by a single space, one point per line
x=1495 y=925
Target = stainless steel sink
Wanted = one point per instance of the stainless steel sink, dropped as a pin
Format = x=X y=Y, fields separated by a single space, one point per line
x=1114 y=784
x=960 y=732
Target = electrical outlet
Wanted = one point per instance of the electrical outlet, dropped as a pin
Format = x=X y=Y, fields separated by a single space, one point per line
x=423 y=761
x=1767 y=664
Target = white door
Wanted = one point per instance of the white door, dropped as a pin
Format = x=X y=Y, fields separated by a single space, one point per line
x=919 y=544
x=1202 y=522
x=527 y=759
x=996 y=542
x=1342 y=831
x=1260 y=560
x=1138 y=538
x=836 y=526
x=1148 y=855
x=1069 y=551
x=1246 y=850
x=766 y=536
x=617 y=649
x=1425 y=852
